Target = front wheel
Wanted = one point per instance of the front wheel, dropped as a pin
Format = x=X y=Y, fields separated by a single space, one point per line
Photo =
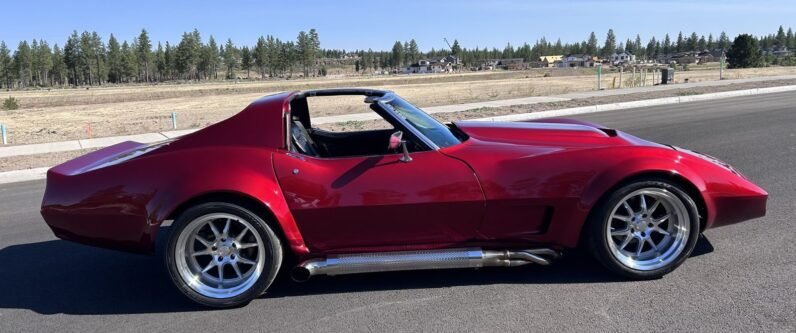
x=222 y=255
x=644 y=230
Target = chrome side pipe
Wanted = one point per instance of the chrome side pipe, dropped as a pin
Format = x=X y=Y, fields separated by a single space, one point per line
x=420 y=260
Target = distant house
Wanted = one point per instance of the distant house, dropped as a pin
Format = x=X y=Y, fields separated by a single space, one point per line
x=487 y=64
x=513 y=64
x=445 y=64
x=551 y=60
x=779 y=51
x=577 y=60
x=622 y=58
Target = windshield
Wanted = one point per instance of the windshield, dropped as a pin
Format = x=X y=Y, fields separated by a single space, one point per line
x=435 y=131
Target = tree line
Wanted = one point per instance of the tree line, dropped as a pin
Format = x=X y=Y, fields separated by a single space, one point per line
x=86 y=59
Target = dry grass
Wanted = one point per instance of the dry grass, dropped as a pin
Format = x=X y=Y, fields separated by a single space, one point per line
x=55 y=115
x=356 y=106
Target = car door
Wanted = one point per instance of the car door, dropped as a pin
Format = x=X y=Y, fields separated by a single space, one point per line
x=371 y=202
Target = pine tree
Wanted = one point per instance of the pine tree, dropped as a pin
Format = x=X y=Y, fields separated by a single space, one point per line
x=5 y=65
x=744 y=52
x=114 y=56
x=58 y=73
x=667 y=45
x=610 y=44
x=99 y=54
x=397 y=55
x=260 y=55
x=456 y=49
x=144 y=55
x=680 y=45
x=231 y=58
x=639 y=50
x=724 y=41
x=72 y=58
x=246 y=60
x=591 y=45
x=23 y=63
x=161 y=66
x=782 y=40
x=702 y=44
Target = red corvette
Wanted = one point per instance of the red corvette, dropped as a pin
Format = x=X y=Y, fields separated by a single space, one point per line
x=230 y=205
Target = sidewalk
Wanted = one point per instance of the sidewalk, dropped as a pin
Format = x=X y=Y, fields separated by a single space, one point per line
x=52 y=147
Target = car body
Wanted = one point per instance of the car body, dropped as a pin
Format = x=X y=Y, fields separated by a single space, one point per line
x=491 y=185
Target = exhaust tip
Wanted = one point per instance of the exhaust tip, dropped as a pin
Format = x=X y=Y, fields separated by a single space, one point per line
x=300 y=274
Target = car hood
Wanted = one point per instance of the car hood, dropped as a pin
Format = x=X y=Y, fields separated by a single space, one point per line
x=549 y=133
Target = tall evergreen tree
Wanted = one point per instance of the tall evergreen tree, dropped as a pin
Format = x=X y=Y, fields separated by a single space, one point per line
x=144 y=55
x=115 y=67
x=231 y=59
x=246 y=60
x=23 y=64
x=58 y=73
x=610 y=44
x=591 y=45
x=5 y=66
x=744 y=52
x=724 y=41
x=397 y=55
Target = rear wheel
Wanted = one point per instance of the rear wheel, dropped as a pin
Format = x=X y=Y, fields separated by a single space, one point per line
x=222 y=255
x=644 y=230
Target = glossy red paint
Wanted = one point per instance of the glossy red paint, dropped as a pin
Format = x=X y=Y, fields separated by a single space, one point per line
x=508 y=185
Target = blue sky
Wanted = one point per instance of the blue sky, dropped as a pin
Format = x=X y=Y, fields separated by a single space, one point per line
x=378 y=24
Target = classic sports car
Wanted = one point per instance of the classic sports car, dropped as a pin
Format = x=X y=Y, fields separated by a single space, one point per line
x=230 y=206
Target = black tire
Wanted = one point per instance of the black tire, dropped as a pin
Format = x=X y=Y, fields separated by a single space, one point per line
x=272 y=253
x=597 y=240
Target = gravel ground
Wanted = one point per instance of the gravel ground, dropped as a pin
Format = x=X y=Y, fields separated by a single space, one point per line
x=43 y=160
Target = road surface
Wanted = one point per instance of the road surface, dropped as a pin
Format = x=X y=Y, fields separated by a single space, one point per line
x=747 y=283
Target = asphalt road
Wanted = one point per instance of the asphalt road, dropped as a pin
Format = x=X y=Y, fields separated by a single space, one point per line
x=747 y=283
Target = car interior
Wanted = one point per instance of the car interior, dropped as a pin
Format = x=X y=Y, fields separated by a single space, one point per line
x=316 y=142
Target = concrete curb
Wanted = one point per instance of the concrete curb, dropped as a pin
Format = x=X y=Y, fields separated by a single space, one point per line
x=17 y=176
x=637 y=104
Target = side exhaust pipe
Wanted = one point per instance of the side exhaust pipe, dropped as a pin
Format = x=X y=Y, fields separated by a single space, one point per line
x=419 y=260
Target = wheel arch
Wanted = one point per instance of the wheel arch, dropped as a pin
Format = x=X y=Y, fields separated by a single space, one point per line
x=686 y=184
x=249 y=202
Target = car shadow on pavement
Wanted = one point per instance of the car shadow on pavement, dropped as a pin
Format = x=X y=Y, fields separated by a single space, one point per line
x=61 y=277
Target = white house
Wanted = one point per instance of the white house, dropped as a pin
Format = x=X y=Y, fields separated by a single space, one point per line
x=577 y=60
x=623 y=58
x=435 y=65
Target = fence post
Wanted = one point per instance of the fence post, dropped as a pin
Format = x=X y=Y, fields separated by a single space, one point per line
x=174 y=120
x=5 y=136
x=599 y=77
x=621 y=69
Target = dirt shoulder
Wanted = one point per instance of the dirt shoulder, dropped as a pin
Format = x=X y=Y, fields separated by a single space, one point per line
x=43 y=160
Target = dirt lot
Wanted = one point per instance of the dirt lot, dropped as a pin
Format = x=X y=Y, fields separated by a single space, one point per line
x=65 y=114
x=34 y=161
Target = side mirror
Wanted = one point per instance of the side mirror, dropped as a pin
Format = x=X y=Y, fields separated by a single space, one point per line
x=396 y=140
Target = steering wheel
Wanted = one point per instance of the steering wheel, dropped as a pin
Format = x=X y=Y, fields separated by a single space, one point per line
x=301 y=139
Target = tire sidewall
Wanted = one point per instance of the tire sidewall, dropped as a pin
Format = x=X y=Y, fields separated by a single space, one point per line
x=598 y=223
x=271 y=245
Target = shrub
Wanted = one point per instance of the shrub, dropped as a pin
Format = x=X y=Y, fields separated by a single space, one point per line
x=10 y=103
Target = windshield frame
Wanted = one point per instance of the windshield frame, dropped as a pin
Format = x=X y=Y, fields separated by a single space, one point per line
x=384 y=103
